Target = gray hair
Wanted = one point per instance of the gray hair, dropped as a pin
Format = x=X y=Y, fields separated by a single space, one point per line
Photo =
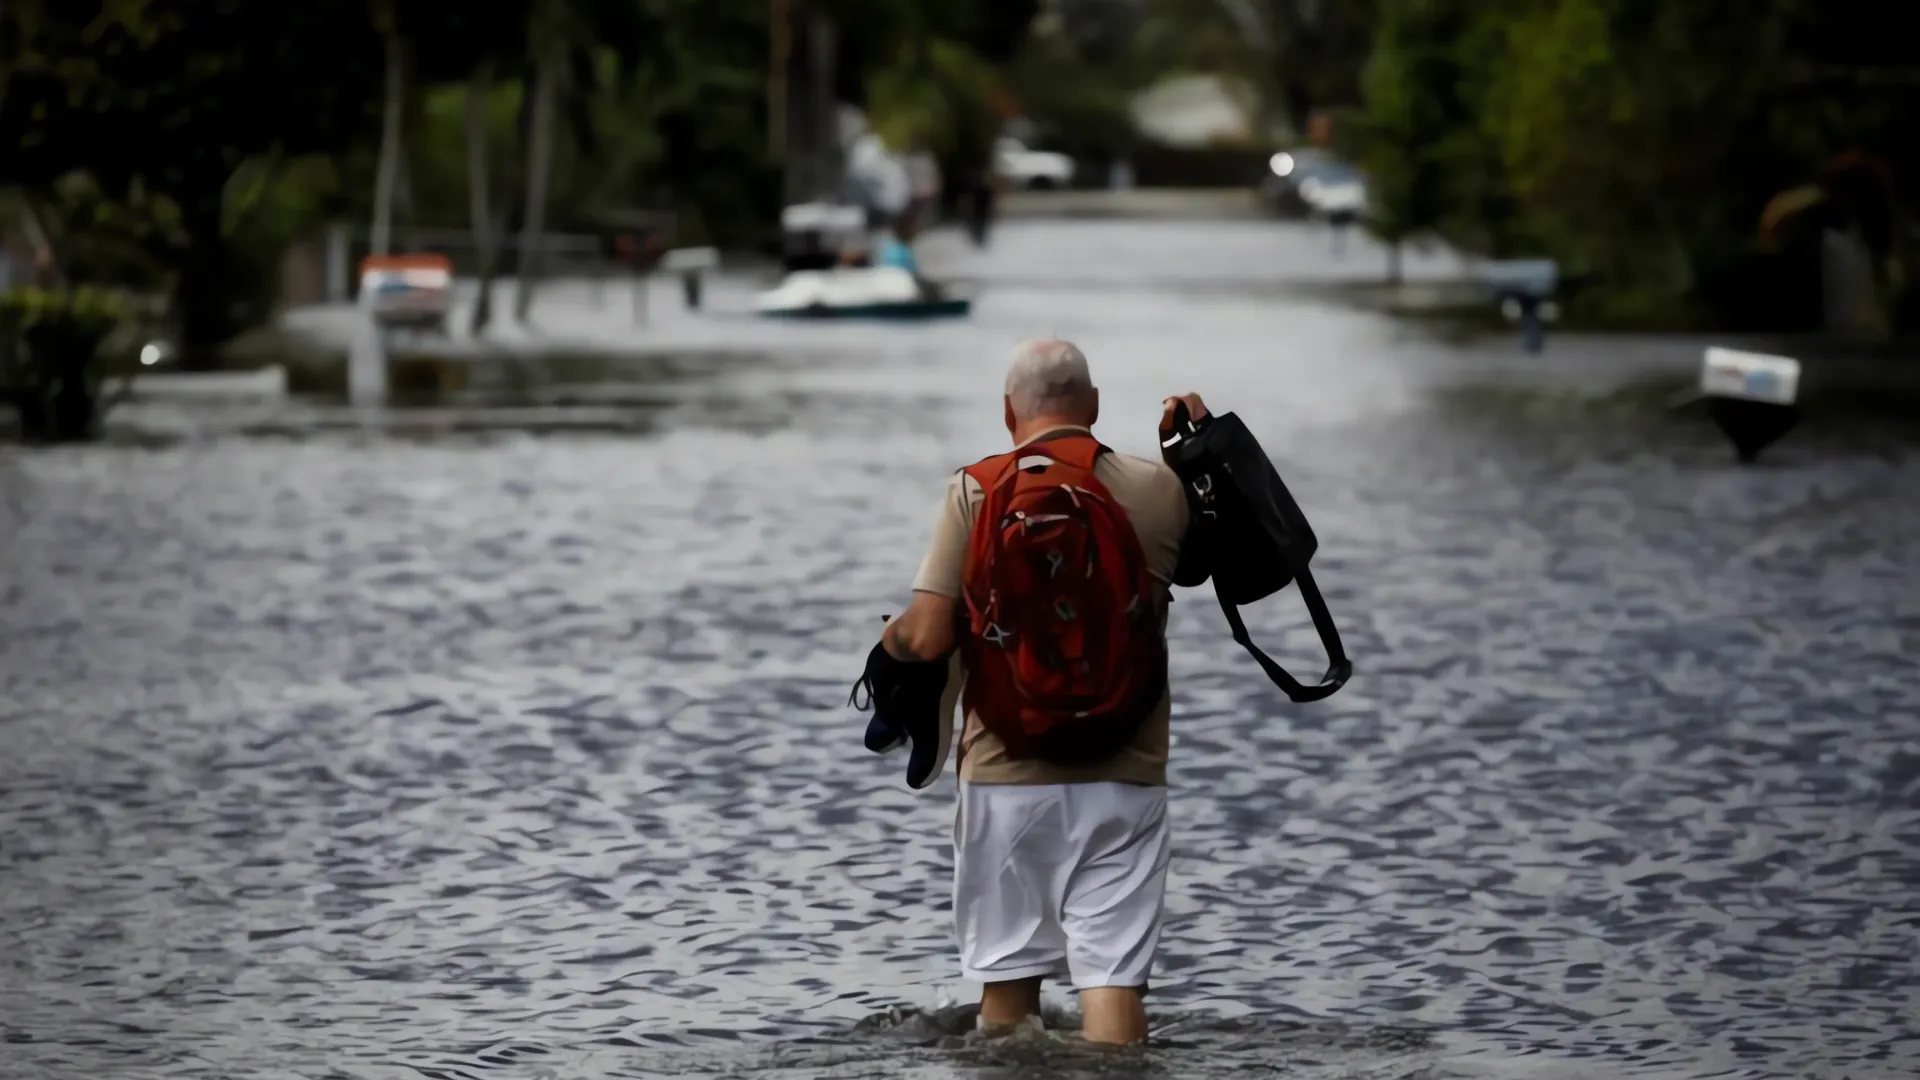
x=1048 y=377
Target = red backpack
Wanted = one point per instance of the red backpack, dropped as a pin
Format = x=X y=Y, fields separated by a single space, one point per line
x=1065 y=653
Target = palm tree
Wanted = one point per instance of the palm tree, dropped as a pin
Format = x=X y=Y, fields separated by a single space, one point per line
x=569 y=40
x=479 y=206
x=386 y=176
x=473 y=44
x=546 y=75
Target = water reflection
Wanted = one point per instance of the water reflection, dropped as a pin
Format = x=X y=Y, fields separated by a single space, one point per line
x=489 y=753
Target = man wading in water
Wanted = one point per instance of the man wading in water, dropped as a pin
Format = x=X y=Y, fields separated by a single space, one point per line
x=1054 y=608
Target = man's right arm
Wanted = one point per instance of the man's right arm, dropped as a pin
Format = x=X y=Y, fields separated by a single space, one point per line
x=1195 y=409
x=926 y=630
x=1196 y=555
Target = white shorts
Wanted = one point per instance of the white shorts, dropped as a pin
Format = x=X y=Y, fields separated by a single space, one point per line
x=1059 y=879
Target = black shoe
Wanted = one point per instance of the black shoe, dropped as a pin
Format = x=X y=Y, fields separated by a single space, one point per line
x=877 y=685
x=906 y=698
x=883 y=736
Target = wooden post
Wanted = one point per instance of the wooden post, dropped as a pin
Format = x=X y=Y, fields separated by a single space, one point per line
x=339 y=248
x=367 y=361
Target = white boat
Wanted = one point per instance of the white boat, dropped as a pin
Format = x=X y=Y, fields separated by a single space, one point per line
x=876 y=292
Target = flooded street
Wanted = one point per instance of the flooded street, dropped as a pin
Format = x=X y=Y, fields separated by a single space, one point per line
x=499 y=754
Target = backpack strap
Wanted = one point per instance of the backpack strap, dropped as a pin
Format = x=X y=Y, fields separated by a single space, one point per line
x=1339 y=668
x=1079 y=451
x=985 y=471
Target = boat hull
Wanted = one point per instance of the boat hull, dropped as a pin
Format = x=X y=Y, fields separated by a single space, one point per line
x=953 y=307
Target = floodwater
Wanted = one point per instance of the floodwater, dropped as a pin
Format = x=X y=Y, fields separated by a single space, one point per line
x=485 y=753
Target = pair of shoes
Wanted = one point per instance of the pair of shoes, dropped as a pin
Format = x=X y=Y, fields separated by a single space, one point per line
x=905 y=696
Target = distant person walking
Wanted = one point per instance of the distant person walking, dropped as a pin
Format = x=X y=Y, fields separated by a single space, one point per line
x=923 y=169
x=1047 y=582
x=980 y=194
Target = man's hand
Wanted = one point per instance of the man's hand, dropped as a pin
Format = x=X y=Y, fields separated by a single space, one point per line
x=924 y=631
x=1195 y=409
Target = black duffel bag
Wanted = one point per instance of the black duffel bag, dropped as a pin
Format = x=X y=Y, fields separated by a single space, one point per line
x=1248 y=535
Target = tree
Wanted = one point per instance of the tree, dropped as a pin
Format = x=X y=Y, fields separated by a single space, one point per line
x=52 y=379
x=1305 y=55
x=470 y=45
x=164 y=109
x=932 y=76
x=1641 y=140
x=546 y=64
x=1638 y=142
x=1414 y=112
x=711 y=116
x=386 y=23
x=565 y=39
x=479 y=206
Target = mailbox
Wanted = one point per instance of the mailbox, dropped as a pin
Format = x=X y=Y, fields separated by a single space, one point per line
x=1753 y=398
x=1524 y=289
x=407 y=290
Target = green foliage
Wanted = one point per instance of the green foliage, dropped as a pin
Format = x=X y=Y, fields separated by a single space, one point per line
x=936 y=97
x=49 y=351
x=183 y=144
x=1405 y=122
x=710 y=119
x=160 y=108
x=1305 y=56
x=1634 y=141
x=436 y=150
x=1080 y=107
x=84 y=307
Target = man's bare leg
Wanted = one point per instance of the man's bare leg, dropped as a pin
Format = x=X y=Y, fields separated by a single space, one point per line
x=1005 y=1004
x=1113 y=1014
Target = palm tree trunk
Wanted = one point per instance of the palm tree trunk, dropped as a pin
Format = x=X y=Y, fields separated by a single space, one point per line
x=781 y=20
x=385 y=179
x=479 y=206
x=539 y=166
x=405 y=214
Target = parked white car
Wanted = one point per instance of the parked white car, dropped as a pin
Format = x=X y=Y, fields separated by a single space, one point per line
x=1309 y=182
x=1026 y=168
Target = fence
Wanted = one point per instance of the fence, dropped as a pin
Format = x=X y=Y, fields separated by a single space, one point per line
x=614 y=253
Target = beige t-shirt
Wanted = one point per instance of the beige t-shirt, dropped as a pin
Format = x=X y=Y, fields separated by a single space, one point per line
x=1155 y=503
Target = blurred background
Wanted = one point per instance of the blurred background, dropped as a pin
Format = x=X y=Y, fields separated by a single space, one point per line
x=208 y=162
x=454 y=457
